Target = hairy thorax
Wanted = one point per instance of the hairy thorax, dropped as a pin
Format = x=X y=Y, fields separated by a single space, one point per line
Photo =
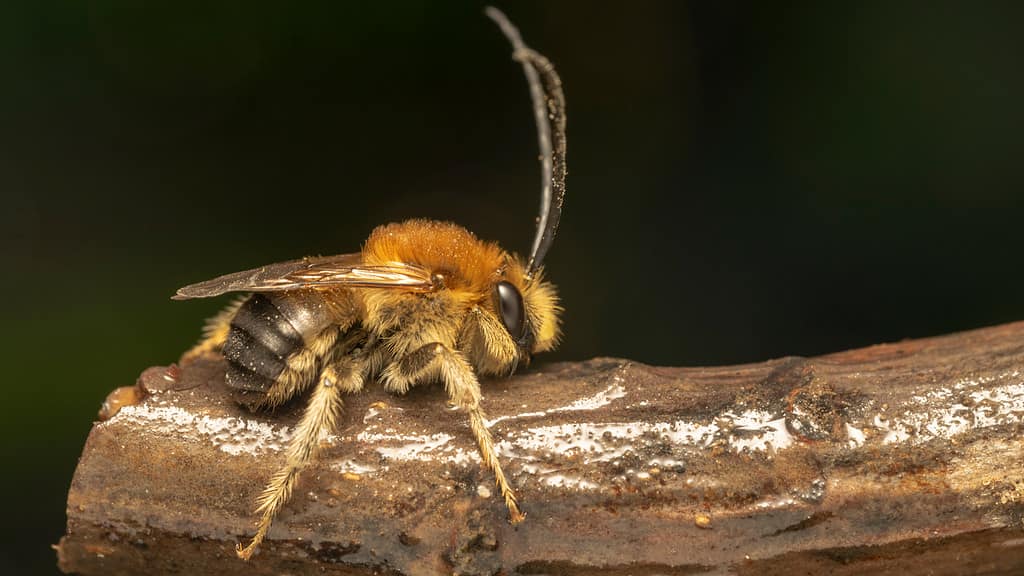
x=466 y=269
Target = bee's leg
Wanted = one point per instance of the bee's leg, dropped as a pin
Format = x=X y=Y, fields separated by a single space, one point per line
x=215 y=333
x=301 y=369
x=464 y=390
x=343 y=375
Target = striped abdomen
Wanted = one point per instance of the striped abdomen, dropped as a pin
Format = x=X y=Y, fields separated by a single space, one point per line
x=265 y=331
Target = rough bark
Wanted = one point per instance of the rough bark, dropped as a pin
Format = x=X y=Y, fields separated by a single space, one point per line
x=899 y=458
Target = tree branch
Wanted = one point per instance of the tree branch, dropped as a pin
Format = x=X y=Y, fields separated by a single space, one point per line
x=849 y=463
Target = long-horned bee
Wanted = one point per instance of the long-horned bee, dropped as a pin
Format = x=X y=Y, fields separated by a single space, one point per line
x=423 y=301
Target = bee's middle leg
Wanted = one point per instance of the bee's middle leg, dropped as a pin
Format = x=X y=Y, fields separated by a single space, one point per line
x=346 y=374
x=463 y=389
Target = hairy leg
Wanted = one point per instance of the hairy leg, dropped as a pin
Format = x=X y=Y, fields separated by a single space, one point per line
x=302 y=368
x=346 y=374
x=437 y=360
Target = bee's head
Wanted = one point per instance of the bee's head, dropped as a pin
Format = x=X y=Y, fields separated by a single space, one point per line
x=528 y=309
x=520 y=318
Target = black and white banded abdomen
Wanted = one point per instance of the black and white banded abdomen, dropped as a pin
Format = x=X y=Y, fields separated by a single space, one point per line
x=266 y=330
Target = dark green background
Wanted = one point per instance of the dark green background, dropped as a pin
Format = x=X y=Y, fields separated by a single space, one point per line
x=745 y=182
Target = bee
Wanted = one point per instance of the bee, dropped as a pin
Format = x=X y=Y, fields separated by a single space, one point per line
x=424 y=301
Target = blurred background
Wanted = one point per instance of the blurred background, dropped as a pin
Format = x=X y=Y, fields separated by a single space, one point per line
x=744 y=182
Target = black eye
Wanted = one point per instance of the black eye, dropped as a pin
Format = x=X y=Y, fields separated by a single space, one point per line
x=510 y=304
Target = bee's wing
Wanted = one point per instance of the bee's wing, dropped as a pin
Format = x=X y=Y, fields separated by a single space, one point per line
x=344 y=270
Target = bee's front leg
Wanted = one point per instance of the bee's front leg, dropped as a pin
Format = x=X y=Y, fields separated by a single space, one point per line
x=346 y=374
x=437 y=360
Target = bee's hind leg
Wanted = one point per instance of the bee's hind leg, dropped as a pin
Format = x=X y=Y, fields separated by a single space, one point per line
x=463 y=389
x=215 y=333
x=301 y=369
x=346 y=374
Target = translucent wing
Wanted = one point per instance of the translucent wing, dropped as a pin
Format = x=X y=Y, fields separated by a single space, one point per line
x=346 y=270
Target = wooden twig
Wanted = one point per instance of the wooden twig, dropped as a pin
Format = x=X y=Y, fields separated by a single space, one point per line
x=900 y=458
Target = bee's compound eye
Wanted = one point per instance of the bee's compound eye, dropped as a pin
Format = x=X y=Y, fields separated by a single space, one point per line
x=510 y=304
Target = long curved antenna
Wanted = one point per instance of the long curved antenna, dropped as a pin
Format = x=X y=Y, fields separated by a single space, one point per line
x=549 y=112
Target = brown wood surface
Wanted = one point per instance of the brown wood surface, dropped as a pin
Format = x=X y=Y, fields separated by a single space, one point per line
x=903 y=458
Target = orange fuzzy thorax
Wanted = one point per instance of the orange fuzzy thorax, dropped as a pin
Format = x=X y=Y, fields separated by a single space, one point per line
x=444 y=248
x=470 y=268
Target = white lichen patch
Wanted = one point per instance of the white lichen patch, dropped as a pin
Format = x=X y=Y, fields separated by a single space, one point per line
x=558 y=478
x=231 y=435
x=603 y=398
x=751 y=430
x=755 y=431
x=568 y=481
x=775 y=502
x=855 y=436
x=434 y=447
x=592 y=443
x=350 y=466
x=969 y=404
